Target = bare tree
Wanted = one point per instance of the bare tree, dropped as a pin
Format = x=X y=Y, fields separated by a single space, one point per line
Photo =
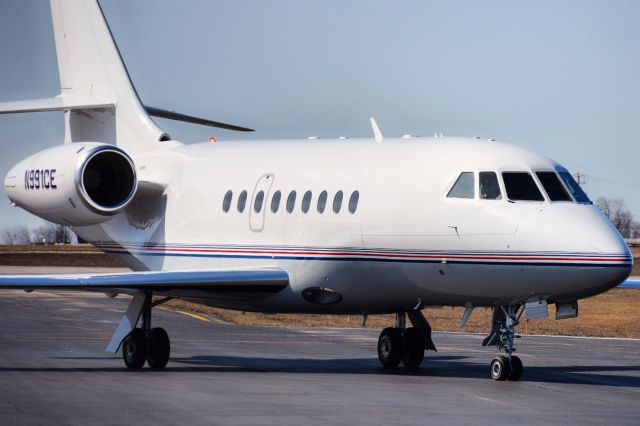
x=45 y=233
x=618 y=213
x=63 y=235
x=50 y=233
x=17 y=235
x=635 y=231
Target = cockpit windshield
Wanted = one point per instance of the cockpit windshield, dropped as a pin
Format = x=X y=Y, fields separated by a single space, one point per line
x=553 y=187
x=574 y=188
x=489 y=186
x=520 y=186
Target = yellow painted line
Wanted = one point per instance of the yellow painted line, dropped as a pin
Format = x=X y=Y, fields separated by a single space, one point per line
x=249 y=342
x=198 y=317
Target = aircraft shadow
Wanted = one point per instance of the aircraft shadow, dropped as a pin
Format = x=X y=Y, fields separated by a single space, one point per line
x=434 y=366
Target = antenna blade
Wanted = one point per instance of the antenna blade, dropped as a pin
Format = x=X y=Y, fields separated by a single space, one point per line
x=377 y=134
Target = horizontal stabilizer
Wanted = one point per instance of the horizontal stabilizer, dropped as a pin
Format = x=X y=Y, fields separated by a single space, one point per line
x=57 y=103
x=171 y=115
x=265 y=280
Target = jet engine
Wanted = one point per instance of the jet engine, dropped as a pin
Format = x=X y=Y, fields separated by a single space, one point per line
x=78 y=184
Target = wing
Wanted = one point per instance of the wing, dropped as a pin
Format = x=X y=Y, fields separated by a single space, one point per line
x=171 y=283
x=221 y=284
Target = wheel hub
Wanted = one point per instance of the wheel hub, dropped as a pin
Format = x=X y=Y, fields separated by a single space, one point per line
x=385 y=347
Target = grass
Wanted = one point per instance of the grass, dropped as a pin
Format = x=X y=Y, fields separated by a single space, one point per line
x=78 y=255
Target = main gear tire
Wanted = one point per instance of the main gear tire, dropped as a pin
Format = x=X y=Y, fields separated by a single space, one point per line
x=158 y=349
x=390 y=347
x=134 y=349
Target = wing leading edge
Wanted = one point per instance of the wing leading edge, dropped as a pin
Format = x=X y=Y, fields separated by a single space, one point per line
x=264 y=280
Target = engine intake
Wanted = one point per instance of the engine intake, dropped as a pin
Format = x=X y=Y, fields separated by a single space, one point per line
x=108 y=180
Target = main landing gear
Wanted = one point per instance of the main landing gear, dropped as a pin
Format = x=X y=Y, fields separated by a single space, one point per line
x=146 y=344
x=407 y=345
x=505 y=319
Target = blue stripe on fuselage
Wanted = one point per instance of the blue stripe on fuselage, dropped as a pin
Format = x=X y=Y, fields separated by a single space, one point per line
x=371 y=259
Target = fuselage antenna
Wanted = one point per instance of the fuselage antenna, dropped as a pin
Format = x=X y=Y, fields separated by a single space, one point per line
x=377 y=134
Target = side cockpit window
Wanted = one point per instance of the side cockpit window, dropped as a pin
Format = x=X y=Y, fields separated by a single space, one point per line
x=489 y=187
x=574 y=188
x=553 y=187
x=520 y=186
x=464 y=186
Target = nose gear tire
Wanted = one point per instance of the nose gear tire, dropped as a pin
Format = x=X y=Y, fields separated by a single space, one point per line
x=516 y=369
x=500 y=368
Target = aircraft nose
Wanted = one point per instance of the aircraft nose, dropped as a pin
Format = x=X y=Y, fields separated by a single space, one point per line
x=581 y=236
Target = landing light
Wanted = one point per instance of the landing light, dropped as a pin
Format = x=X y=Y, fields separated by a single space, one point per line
x=212 y=139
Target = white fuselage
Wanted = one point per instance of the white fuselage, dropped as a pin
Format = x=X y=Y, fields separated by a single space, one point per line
x=405 y=244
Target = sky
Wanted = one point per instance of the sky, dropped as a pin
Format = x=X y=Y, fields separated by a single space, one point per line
x=561 y=78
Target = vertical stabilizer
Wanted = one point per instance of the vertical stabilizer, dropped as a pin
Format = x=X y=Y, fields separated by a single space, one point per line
x=99 y=101
x=90 y=66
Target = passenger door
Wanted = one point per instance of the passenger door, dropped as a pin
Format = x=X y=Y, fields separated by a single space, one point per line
x=258 y=206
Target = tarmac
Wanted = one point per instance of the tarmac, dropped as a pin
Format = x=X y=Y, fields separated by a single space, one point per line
x=53 y=370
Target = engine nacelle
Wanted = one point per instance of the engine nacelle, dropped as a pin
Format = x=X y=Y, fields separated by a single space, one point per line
x=77 y=184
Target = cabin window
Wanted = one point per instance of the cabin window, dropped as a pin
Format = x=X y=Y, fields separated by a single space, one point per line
x=306 y=202
x=489 y=186
x=322 y=201
x=275 y=201
x=226 y=202
x=291 y=201
x=337 y=202
x=574 y=188
x=242 y=201
x=464 y=186
x=257 y=203
x=520 y=186
x=353 y=201
x=553 y=187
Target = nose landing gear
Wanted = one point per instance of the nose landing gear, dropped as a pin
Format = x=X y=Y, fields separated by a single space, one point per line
x=502 y=335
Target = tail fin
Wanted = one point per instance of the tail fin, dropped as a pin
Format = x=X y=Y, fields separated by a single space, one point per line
x=90 y=66
x=99 y=101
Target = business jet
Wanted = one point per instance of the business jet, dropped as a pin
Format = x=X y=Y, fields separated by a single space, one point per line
x=355 y=226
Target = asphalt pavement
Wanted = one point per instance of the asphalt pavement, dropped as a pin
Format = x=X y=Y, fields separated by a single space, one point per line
x=53 y=370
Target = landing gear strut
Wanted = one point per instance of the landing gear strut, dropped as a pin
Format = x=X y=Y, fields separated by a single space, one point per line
x=399 y=343
x=146 y=344
x=502 y=335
